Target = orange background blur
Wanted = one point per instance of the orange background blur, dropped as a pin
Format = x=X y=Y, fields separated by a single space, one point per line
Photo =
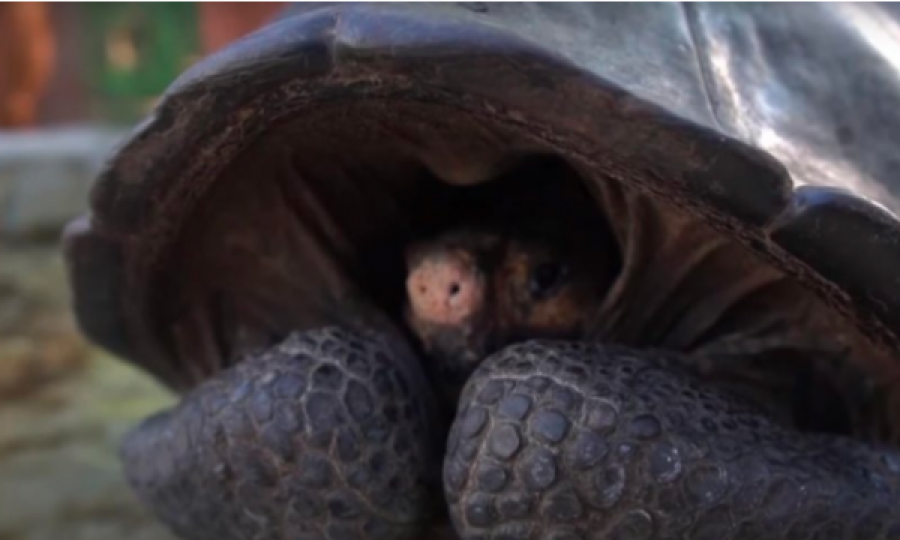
x=40 y=85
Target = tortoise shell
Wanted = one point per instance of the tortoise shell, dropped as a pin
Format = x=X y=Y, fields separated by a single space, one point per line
x=275 y=183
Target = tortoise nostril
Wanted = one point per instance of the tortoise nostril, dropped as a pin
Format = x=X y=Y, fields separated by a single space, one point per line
x=444 y=290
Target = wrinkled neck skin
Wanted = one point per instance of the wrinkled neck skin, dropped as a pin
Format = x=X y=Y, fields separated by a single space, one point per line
x=738 y=320
x=685 y=288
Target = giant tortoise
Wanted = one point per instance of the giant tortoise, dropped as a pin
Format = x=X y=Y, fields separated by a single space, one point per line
x=247 y=246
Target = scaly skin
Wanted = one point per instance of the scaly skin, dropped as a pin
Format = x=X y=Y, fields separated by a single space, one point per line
x=557 y=440
x=322 y=437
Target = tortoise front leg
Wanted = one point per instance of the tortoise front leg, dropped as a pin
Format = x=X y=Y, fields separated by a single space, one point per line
x=564 y=441
x=324 y=436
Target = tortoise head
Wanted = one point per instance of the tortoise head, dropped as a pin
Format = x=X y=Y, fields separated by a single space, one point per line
x=529 y=257
x=279 y=184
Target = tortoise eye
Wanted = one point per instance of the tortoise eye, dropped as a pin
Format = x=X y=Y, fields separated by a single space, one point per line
x=546 y=278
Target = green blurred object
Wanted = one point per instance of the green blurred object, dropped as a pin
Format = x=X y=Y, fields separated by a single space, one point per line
x=135 y=50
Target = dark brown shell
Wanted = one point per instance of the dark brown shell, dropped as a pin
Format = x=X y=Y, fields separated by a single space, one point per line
x=276 y=180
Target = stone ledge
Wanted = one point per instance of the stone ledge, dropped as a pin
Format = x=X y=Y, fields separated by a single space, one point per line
x=46 y=176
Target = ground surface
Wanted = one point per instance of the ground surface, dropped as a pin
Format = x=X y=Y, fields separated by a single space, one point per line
x=63 y=408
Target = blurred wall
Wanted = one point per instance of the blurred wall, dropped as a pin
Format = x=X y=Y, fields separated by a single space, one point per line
x=27 y=51
x=66 y=97
x=65 y=63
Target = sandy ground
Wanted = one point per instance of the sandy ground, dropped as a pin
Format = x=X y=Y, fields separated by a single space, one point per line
x=63 y=408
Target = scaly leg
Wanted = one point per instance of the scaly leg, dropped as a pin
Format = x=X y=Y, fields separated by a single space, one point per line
x=324 y=436
x=559 y=440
